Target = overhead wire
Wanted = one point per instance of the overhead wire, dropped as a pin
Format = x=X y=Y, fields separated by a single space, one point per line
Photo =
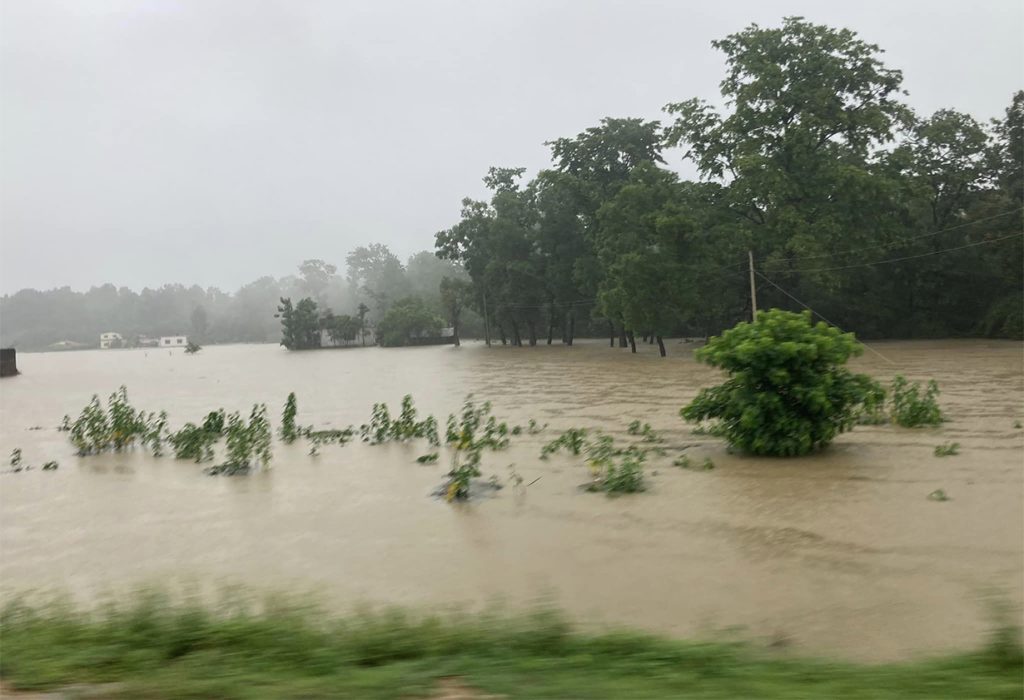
x=891 y=244
x=806 y=306
x=909 y=257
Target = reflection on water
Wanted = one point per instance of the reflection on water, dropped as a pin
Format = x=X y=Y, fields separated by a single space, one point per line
x=840 y=552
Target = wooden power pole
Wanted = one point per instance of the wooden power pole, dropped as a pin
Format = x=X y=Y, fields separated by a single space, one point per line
x=487 y=324
x=753 y=287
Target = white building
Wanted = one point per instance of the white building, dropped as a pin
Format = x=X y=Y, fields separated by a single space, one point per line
x=111 y=340
x=173 y=341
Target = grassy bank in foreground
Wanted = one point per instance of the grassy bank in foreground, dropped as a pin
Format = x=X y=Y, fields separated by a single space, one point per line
x=155 y=648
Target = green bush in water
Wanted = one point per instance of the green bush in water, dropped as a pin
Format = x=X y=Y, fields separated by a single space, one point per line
x=912 y=408
x=788 y=393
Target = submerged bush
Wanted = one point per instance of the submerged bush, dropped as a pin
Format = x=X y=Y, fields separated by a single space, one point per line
x=289 y=433
x=117 y=428
x=912 y=408
x=788 y=393
x=572 y=441
x=196 y=442
x=248 y=443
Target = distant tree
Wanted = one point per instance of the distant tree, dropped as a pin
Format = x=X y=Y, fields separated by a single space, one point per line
x=316 y=275
x=300 y=325
x=341 y=328
x=361 y=312
x=200 y=323
x=407 y=318
x=376 y=274
x=454 y=295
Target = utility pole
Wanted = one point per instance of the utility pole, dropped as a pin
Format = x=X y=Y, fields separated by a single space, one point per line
x=487 y=324
x=753 y=287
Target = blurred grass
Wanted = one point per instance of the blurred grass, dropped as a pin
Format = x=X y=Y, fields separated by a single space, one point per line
x=155 y=646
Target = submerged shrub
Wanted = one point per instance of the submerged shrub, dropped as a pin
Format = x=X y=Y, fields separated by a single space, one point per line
x=289 y=433
x=787 y=393
x=248 y=443
x=947 y=449
x=572 y=440
x=912 y=408
x=117 y=428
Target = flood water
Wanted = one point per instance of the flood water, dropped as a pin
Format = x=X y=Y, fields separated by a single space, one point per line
x=839 y=553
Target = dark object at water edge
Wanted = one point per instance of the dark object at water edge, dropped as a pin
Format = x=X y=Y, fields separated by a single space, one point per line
x=8 y=362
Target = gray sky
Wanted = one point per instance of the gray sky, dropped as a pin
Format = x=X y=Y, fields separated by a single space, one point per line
x=216 y=141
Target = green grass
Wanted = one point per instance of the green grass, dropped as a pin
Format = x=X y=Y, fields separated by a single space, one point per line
x=157 y=648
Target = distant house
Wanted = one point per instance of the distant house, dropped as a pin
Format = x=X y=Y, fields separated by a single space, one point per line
x=173 y=341
x=111 y=340
x=147 y=342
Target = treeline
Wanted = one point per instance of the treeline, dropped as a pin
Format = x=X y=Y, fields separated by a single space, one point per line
x=374 y=281
x=886 y=222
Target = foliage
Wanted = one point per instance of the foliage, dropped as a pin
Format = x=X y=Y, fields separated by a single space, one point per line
x=382 y=428
x=288 y=431
x=192 y=348
x=430 y=458
x=156 y=646
x=947 y=449
x=572 y=440
x=117 y=428
x=938 y=495
x=300 y=325
x=613 y=469
x=644 y=430
x=16 y=458
x=910 y=407
x=196 y=442
x=248 y=443
x=625 y=477
x=788 y=393
x=684 y=462
x=407 y=319
x=50 y=466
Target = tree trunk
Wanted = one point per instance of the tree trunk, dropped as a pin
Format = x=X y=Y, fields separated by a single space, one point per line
x=551 y=330
x=611 y=333
x=572 y=325
x=661 y=346
x=516 y=339
x=501 y=329
x=455 y=331
x=531 y=326
x=632 y=342
x=650 y=337
x=622 y=337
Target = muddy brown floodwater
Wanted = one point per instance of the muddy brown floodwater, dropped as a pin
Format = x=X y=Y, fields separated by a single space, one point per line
x=839 y=553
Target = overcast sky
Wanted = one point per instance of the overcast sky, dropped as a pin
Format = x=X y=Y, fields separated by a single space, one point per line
x=213 y=142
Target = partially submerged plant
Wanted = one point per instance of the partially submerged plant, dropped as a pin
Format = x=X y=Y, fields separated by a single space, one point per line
x=912 y=407
x=289 y=433
x=788 y=392
x=196 y=442
x=430 y=458
x=117 y=428
x=625 y=477
x=50 y=466
x=248 y=443
x=643 y=430
x=572 y=440
x=947 y=449
x=938 y=495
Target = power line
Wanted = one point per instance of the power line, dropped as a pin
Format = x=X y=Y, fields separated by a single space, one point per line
x=908 y=257
x=759 y=274
x=892 y=244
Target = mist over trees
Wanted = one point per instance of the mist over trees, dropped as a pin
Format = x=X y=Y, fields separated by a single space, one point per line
x=375 y=280
x=885 y=222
